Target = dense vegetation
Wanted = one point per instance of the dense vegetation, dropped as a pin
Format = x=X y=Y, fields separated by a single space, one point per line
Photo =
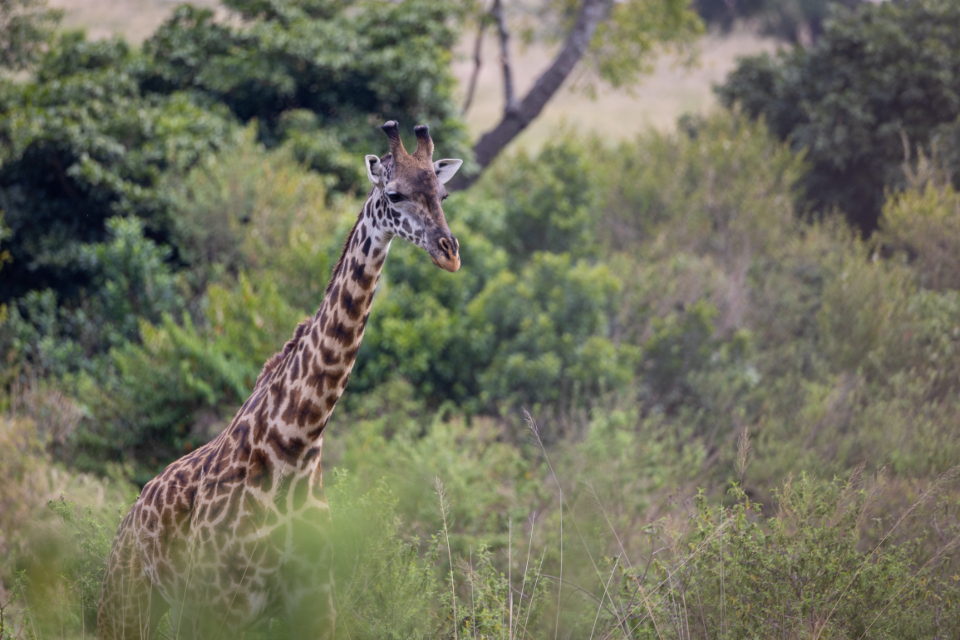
x=742 y=419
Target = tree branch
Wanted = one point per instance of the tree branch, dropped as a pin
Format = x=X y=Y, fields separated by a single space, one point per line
x=510 y=100
x=477 y=61
x=515 y=120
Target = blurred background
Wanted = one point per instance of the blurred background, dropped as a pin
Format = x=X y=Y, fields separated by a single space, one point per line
x=698 y=375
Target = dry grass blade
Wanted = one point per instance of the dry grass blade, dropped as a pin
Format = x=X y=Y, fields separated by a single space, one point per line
x=626 y=557
x=743 y=452
x=442 y=499
x=606 y=588
x=696 y=552
x=535 y=430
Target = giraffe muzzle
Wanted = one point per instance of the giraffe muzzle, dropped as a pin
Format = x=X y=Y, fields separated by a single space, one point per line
x=447 y=254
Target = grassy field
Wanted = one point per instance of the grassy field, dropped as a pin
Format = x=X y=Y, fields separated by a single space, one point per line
x=667 y=93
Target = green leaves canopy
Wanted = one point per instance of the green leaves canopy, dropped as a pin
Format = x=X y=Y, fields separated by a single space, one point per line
x=880 y=78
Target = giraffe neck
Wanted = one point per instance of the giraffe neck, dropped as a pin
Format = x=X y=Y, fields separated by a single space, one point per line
x=301 y=384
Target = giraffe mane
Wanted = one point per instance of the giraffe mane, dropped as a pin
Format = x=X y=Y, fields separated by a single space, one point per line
x=343 y=254
x=271 y=365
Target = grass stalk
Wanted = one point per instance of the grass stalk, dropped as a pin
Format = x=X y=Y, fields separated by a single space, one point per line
x=442 y=498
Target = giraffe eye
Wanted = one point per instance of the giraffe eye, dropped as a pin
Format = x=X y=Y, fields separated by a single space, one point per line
x=396 y=197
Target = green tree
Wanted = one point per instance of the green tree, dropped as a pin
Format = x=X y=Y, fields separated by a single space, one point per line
x=318 y=74
x=81 y=145
x=882 y=81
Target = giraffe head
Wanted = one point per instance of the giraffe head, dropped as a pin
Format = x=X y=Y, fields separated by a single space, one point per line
x=411 y=186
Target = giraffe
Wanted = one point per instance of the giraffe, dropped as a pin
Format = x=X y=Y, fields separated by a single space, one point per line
x=237 y=531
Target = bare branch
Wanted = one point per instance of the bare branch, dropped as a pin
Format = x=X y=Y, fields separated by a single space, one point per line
x=510 y=100
x=515 y=120
x=477 y=61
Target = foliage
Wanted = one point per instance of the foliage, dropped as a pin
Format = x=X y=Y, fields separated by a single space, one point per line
x=316 y=73
x=548 y=201
x=881 y=81
x=655 y=301
x=82 y=145
x=53 y=579
x=721 y=189
x=87 y=568
x=544 y=332
x=102 y=132
x=924 y=221
x=389 y=588
x=802 y=573
x=25 y=28
x=621 y=48
x=129 y=280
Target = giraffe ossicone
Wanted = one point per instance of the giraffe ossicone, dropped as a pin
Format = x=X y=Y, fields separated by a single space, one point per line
x=237 y=531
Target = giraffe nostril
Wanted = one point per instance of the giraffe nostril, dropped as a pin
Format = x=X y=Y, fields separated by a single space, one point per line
x=445 y=245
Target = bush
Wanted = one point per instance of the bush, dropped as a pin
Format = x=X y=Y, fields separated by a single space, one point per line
x=722 y=187
x=130 y=281
x=548 y=201
x=738 y=573
x=56 y=572
x=924 y=221
x=544 y=334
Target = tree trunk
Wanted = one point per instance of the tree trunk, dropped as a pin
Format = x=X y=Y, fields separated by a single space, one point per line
x=519 y=115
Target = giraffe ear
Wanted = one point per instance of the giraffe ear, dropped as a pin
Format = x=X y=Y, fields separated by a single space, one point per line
x=373 y=169
x=446 y=169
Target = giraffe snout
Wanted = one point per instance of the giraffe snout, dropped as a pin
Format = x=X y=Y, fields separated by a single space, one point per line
x=447 y=254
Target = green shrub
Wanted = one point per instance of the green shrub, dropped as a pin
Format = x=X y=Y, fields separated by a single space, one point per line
x=801 y=573
x=249 y=209
x=548 y=201
x=130 y=281
x=315 y=73
x=543 y=334
x=721 y=187
x=924 y=221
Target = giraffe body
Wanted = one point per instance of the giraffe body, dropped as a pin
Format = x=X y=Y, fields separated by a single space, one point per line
x=238 y=531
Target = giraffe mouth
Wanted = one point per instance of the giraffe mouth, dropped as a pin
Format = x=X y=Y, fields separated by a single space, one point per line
x=450 y=264
x=447 y=254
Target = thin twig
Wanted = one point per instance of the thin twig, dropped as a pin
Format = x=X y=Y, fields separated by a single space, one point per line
x=534 y=591
x=477 y=61
x=536 y=434
x=510 y=576
x=473 y=602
